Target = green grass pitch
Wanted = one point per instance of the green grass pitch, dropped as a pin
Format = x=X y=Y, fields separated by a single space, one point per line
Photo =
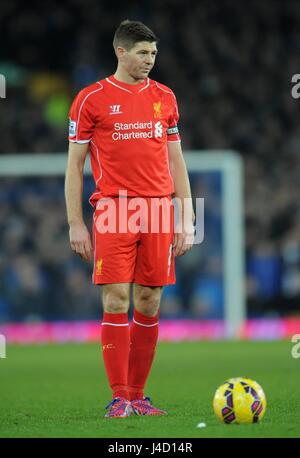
x=61 y=391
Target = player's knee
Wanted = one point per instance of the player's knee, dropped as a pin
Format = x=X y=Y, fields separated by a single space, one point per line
x=116 y=304
x=148 y=300
x=116 y=300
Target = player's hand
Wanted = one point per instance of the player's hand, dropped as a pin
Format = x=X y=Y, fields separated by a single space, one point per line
x=80 y=241
x=183 y=240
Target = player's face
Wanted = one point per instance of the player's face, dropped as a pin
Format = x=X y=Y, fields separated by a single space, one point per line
x=139 y=61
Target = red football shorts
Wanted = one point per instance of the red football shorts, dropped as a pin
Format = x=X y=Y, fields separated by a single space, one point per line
x=132 y=239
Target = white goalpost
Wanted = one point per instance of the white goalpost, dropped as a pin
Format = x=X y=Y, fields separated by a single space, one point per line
x=229 y=164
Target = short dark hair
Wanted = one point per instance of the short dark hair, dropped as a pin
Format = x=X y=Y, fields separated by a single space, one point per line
x=130 y=32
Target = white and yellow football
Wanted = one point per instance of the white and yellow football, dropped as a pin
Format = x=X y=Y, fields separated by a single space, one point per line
x=239 y=400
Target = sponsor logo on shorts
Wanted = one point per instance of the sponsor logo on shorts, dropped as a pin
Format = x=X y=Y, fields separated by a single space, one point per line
x=99 y=265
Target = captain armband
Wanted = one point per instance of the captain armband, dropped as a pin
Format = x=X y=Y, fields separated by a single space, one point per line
x=173 y=130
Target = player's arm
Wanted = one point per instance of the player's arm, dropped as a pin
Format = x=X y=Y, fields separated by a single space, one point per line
x=80 y=239
x=183 y=241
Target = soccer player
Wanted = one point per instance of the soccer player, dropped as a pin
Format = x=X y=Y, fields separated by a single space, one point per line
x=128 y=123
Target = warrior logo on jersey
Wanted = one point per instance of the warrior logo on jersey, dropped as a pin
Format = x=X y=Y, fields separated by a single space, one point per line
x=157 y=110
x=115 y=109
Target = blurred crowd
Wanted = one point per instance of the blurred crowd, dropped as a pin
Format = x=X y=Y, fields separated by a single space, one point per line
x=41 y=278
x=231 y=68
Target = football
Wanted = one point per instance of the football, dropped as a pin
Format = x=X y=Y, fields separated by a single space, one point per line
x=239 y=400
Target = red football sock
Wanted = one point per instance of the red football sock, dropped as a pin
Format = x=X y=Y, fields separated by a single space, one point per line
x=143 y=339
x=115 y=349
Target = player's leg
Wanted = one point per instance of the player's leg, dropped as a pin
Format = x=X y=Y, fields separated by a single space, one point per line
x=143 y=334
x=143 y=337
x=115 y=336
x=114 y=264
x=154 y=268
x=115 y=345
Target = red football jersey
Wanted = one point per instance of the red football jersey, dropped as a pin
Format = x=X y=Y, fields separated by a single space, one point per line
x=128 y=127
